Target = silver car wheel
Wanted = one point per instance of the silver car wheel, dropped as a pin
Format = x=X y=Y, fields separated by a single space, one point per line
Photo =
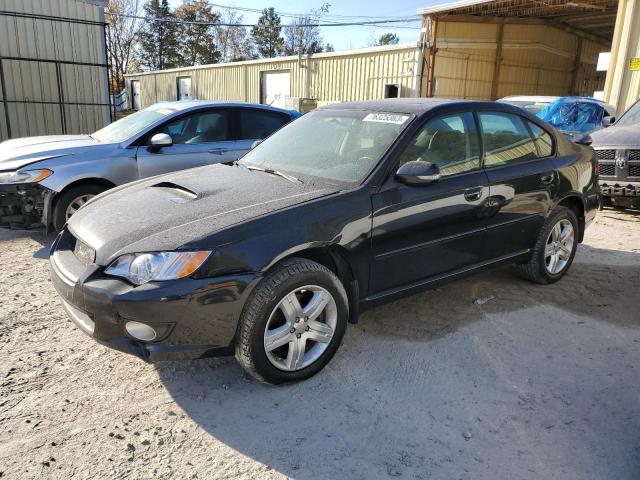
x=76 y=203
x=559 y=247
x=300 y=328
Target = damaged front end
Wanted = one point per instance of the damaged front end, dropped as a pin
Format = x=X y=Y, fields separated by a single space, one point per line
x=24 y=204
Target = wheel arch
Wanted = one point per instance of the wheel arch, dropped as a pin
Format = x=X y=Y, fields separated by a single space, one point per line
x=103 y=182
x=575 y=202
x=334 y=257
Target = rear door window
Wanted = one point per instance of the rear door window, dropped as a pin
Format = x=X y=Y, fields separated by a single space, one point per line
x=257 y=124
x=506 y=139
x=543 y=140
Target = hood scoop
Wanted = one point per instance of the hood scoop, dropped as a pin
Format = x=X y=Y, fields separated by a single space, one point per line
x=177 y=193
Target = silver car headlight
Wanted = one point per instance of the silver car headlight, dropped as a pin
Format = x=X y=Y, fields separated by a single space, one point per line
x=24 y=176
x=141 y=268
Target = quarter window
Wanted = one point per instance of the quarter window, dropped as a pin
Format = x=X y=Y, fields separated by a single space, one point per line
x=451 y=142
x=506 y=139
x=543 y=140
x=256 y=125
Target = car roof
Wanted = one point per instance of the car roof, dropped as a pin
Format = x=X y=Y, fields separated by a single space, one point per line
x=184 y=105
x=530 y=98
x=415 y=106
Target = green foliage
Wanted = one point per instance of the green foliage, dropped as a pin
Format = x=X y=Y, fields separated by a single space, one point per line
x=266 y=34
x=158 y=45
x=197 y=43
x=388 y=39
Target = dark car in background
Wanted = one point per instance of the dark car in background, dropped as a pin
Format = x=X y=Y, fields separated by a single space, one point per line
x=618 y=152
x=348 y=207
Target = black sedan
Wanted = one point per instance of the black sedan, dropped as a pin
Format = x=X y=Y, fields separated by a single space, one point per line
x=348 y=207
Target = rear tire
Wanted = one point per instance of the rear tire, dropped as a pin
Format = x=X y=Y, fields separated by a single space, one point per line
x=292 y=323
x=71 y=197
x=554 y=249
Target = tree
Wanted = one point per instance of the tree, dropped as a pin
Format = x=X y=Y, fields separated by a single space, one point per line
x=121 y=38
x=266 y=34
x=329 y=48
x=197 y=43
x=158 y=45
x=234 y=43
x=388 y=39
x=302 y=35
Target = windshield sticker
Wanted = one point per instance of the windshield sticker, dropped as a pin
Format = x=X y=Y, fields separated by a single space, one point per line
x=386 y=118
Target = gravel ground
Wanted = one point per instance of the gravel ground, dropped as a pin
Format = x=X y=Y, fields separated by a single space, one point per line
x=487 y=378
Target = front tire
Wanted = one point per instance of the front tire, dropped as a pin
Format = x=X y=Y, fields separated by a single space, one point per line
x=72 y=199
x=292 y=323
x=554 y=249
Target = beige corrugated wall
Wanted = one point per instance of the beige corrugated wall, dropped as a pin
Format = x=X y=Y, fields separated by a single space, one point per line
x=623 y=84
x=332 y=77
x=29 y=80
x=535 y=60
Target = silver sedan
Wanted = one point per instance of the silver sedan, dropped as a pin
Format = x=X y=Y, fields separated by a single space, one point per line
x=44 y=180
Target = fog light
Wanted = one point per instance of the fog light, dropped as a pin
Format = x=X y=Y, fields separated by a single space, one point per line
x=140 y=331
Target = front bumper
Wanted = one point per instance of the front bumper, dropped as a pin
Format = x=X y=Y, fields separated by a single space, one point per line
x=194 y=318
x=24 y=205
x=625 y=194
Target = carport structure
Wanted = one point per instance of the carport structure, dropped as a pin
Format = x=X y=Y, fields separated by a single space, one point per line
x=483 y=49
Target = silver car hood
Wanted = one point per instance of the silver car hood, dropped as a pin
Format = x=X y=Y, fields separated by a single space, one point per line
x=20 y=152
x=617 y=137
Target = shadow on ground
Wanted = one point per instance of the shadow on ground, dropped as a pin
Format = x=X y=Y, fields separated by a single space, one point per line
x=538 y=382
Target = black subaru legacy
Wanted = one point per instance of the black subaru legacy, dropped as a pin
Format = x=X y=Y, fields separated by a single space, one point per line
x=348 y=207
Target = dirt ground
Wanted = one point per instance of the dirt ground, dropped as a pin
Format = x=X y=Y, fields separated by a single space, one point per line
x=528 y=382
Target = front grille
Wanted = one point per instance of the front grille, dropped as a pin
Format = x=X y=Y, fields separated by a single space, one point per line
x=607 y=169
x=606 y=154
x=634 y=155
x=634 y=170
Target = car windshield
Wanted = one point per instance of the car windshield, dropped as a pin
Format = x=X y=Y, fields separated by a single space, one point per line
x=338 y=145
x=529 y=105
x=631 y=116
x=130 y=126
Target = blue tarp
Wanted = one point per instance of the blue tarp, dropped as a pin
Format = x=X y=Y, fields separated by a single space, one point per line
x=574 y=114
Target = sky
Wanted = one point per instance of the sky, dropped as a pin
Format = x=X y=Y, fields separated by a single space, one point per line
x=344 y=38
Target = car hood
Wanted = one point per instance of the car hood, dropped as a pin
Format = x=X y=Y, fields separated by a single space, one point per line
x=170 y=211
x=20 y=152
x=617 y=136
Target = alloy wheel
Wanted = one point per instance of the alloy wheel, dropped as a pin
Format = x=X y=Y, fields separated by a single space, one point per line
x=300 y=328
x=559 y=247
x=76 y=203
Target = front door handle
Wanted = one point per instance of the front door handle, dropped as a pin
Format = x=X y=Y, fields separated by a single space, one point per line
x=473 y=194
x=547 y=178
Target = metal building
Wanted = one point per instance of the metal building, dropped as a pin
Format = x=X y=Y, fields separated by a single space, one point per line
x=53 y=67
x=367 y=73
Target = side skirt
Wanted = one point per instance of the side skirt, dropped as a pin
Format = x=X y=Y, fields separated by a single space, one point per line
x=432 y=282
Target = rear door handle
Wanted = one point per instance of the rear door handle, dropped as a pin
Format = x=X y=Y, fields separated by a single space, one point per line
x=546 y=179
x=473 y=194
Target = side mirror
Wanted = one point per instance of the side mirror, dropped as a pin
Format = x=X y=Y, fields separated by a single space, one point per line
x=608 y=121
x=418 y=173
x=255 y=144
x=582 y=139
x=160 y=140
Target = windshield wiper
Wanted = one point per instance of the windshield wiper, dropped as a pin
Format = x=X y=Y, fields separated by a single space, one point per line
x=291 y=178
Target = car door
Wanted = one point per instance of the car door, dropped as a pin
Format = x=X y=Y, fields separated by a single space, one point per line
x=426 y=231
x=256 y=124
x=518 y=159
x=199 y=138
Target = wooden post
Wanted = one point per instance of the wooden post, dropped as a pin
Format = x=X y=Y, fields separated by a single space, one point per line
x=432 y=57
x=498 y=62
x=573 y=90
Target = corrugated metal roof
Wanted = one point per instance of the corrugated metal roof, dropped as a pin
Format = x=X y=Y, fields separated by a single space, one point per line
x=595 y=17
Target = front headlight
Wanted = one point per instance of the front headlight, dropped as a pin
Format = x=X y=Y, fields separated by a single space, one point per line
x=140 y=268
x=24 y=176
